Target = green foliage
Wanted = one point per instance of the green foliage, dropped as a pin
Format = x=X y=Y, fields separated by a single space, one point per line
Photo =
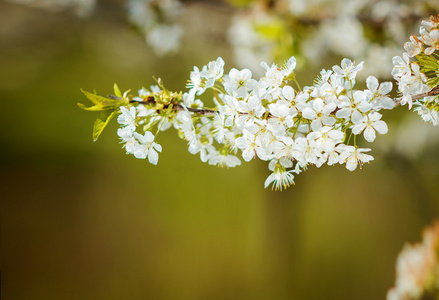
x=106 y=105
x=430 y=66
x=103 y=103
x=117 y=91
x=102 y=121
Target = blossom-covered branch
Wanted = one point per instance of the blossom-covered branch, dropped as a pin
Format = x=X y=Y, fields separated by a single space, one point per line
x=431 y=93
x=273 y=118
x=270 y=118
x=417 y=71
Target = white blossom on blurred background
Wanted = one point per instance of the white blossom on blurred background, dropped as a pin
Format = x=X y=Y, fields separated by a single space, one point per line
x=156 y=19
x=417 y=269
x=371 y=31
x=272 y=119
x=82 y=8
x=273 y=31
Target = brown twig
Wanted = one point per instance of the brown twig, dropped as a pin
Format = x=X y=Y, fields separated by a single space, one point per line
x=195 y=110
x=150 y=100
x=176 y=106
x=433 y=92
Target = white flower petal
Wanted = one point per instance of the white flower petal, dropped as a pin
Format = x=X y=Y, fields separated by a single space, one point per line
x=357 y=129
x=269 y=180
x=374 y=116
x=153 y=156
x=351 y=163
x=381 y=127
x=328 y=121
x=385 y=87
x=148 y=137
x=357 y=117
x=344 y=113
x=158 y=147
x=372 y=83
x=248 y=154
x=369 y=134
x=309 y=113
x=288 y=92
x=316 y=125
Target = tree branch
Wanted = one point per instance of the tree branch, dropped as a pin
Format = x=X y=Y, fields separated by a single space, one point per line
x=206 y=112
x=195 y=110
x=433 y=92
x=176 y=106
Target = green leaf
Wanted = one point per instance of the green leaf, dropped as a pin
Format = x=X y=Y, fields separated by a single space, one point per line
x=94 y=107
x=104 y=101
x=117 y=91
x=101 y=122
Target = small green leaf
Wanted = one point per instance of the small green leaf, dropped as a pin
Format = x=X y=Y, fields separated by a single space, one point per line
x=94 y=107
x=96 y=99
x=101 y=122
x=104 y=101
x=117 y=91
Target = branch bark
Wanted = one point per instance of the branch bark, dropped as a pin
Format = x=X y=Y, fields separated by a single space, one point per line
x=433 y=92
x=150 y=100
x=176 y=106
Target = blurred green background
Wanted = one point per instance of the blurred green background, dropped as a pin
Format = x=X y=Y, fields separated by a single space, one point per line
x=82 y=220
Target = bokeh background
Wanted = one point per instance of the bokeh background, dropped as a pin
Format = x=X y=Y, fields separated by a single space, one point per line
x=82 y=220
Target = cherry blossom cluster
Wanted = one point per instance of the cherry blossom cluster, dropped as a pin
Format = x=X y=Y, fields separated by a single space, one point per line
x=270 y=119
x=417 y=269
x=417 y=71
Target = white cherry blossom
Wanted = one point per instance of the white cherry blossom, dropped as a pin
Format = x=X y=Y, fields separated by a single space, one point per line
x=249 y=110
x=273 y=78
x=377 y=93
x=196 y=84
x=431 y=40
x=319 y=113
x=282 y=116
x=239 y=82
x=401 y=66
x=348 y=69
x=413 y=47
x=280 y=179
x=213 y=71
x=147 y=147
x=370 y=123
x=130 y=143
x=353 y=157
x=224 y=160
x=127 y=117
x=250 y=145
x=353 y=109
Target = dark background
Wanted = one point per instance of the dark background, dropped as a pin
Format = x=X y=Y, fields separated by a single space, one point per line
x=82 y=220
